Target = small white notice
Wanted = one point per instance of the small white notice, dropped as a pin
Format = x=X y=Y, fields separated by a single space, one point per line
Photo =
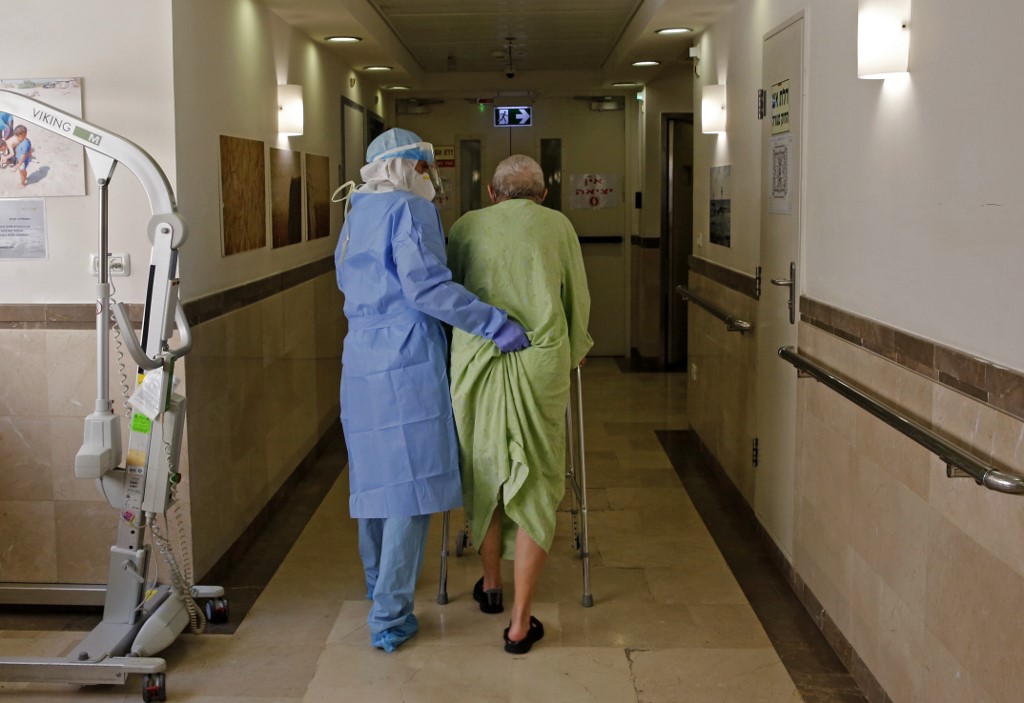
x=780 y=186
x=150 y=396
x=23 y=228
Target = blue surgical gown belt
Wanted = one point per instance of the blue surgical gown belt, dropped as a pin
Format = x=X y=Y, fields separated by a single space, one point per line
x=370 y=322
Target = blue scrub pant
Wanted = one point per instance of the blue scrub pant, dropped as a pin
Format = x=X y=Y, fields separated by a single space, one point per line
x=392 y=553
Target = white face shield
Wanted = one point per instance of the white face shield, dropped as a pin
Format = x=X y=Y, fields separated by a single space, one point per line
x=420 y=151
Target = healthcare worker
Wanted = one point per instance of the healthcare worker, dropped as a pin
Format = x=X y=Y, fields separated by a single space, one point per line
x=395 y=405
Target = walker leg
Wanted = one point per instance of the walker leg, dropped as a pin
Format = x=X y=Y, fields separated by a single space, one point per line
x=588 y=598
x=442 y=588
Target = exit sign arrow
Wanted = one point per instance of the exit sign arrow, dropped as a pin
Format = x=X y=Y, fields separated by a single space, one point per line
x=513 y=116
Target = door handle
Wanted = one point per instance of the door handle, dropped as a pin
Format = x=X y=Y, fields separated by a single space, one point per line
x=791 y=284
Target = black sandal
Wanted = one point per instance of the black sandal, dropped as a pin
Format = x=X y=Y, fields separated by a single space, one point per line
x=534 y=634
x=490 y=600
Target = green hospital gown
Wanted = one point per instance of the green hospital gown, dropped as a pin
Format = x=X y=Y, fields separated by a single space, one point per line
x=510 y=408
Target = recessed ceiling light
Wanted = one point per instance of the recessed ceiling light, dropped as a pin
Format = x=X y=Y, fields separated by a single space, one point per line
x=625 y=84
x=343 y=40
x=646 y=63
x=396 y=87
x=673 y=30
x=377 y=68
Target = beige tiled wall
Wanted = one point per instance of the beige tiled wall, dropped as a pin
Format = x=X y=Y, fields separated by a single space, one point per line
x=262 y=387
x=721 y=402
x=54 y=528
x=924 y=575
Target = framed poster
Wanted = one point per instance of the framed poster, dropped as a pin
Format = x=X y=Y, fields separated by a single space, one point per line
x=721 y=206
x=36 y=162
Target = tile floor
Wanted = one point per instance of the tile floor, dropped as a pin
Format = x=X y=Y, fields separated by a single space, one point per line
x=670 y=623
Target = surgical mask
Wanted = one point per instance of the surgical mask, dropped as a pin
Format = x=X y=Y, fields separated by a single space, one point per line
x=422 y=186
x=403 y=174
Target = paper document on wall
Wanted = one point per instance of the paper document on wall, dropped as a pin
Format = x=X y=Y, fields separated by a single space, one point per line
x=780 y=189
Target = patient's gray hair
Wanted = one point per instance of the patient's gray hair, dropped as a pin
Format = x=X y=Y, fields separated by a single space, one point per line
x=518 y=176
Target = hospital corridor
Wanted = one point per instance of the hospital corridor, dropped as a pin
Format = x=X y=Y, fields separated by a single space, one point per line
x=283 y=283
x=669 y=622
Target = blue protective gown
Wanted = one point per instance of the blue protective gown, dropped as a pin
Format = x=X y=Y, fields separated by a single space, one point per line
x=395 y=405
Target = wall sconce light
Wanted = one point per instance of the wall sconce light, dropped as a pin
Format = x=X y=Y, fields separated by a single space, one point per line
x=883 y=38
x=289 y=105
x=712 y=109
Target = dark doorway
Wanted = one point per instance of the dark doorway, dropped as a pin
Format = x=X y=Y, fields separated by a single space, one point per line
x=676 y=230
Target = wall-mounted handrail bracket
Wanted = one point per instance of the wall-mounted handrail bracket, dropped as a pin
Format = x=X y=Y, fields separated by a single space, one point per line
x=732 y=324
x=954 y=471
x=958 y=461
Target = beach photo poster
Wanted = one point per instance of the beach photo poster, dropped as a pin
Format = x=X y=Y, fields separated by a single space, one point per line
x=51 y=164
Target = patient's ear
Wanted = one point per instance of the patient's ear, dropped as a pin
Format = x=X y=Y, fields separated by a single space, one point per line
x=490 y=194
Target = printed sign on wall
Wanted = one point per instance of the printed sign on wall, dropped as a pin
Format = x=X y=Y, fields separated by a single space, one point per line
x=780 y=107
x=780 y=198
x=444 y=156
x=595 y=190
x=23 y=229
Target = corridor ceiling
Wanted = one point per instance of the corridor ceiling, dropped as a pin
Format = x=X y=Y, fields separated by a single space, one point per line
x=448 y=47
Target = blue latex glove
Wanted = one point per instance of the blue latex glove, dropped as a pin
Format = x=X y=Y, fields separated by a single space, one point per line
x=511 y=337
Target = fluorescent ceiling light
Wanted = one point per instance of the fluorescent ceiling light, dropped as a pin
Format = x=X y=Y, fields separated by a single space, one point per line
x=377 y=68
x=646 y=63
x=673 y=30
x=343 y=40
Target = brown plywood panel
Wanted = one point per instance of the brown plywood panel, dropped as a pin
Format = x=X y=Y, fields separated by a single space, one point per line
x=285 y=197
x=318 y=196
x=243 y=194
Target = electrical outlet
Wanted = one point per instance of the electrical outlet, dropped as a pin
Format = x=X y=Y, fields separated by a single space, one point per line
x=700 y=239
x=693 y=372
x=119 y=264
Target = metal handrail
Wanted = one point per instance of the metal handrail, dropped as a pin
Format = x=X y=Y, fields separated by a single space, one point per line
x=732 y=324
x=958 y=461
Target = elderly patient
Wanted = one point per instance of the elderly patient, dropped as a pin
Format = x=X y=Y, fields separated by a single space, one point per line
x=510 y=409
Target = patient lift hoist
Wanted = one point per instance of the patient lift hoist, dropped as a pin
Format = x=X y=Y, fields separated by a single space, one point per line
x=140 y=618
